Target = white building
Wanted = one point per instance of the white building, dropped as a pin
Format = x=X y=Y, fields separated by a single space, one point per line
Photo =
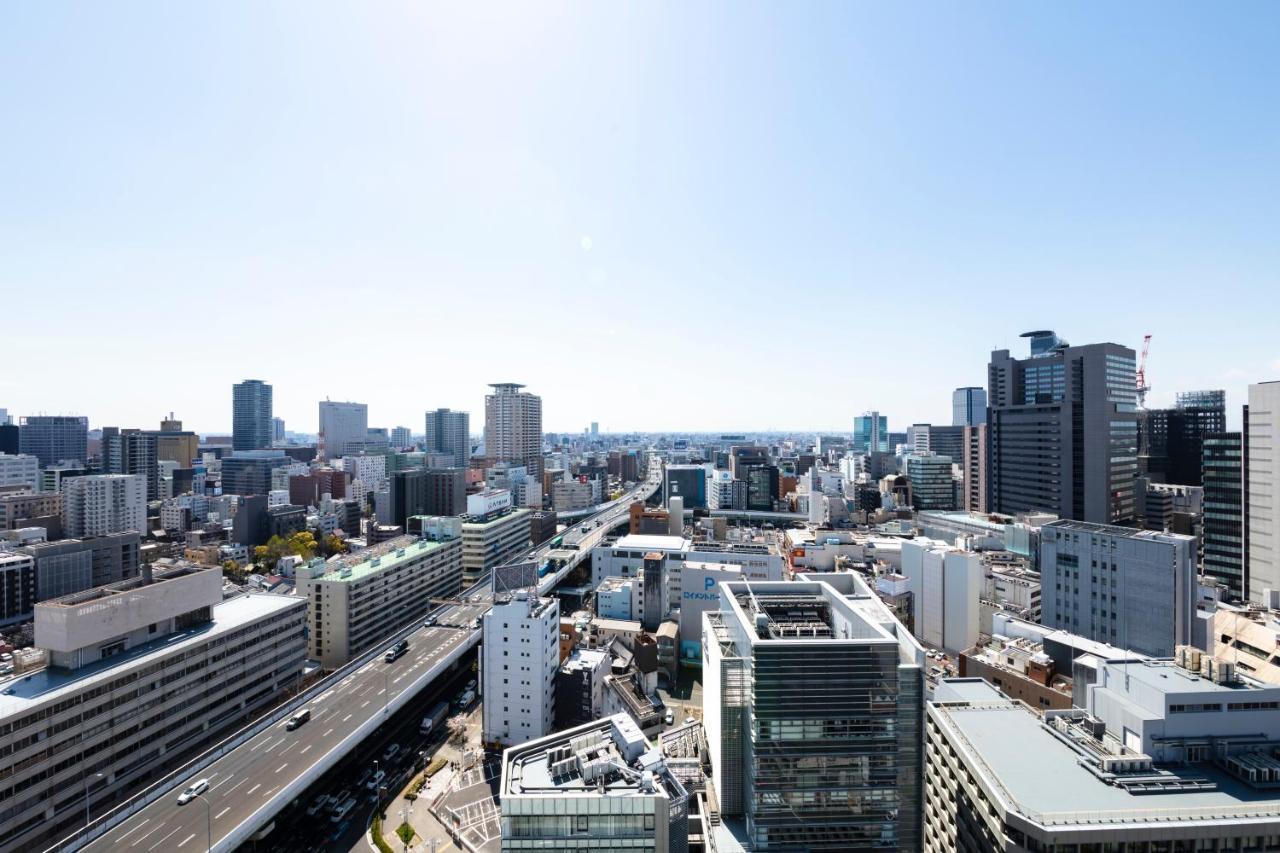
x=368 y=473
x=355 y=600
x=946 y=586
x=1262 y=500
x=599 y=786
x=570 y=495
x=99 y=504
x=195 y=666
x=618 y=598
x=513 y=426
x=521 y=655
x=342 y=424
x=19 y=470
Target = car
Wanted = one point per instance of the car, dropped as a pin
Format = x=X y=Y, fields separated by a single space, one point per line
x=318 y=805
x=341 y=810
x=475 y=624
x=364 y=777
x=375 y=780
x=430 y=623
x=196 y=789
x=669 y=718
x=298 y=719
x=391 y=752
x=689 y=720
x=471 y=685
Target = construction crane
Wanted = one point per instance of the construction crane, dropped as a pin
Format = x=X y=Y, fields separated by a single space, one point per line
x=1143 y=387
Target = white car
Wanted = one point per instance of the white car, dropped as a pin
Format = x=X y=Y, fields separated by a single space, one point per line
x=194 y=791
x=376 y=779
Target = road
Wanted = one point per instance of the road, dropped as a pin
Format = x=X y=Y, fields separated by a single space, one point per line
x=242 y=781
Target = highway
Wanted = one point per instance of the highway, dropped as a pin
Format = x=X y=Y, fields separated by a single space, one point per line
x=252 y=783
x=246 y=780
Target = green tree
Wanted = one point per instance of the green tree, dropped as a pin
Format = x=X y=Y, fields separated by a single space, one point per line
x=331 y=545
x=302 y=543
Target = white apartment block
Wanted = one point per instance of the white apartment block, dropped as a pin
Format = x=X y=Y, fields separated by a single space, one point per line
x=513 y=427
x=369 y=472
x=19 y=469
x=356 y=600
x=1263 y=497
x=139 y=676
x=342 y=424
x=946 y=586
x=99 y=504
x=521 y=655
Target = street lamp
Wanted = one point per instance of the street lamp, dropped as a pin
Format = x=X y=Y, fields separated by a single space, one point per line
x=86 y=795
x=208 y=815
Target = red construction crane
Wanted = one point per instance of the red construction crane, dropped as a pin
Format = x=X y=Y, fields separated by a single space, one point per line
x=1143 y=387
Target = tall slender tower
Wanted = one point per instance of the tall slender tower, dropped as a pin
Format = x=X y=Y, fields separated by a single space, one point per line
x=250 y=415
x=513 y=427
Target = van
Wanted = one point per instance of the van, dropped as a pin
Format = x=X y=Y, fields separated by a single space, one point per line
x=341 y=810
x=298 y=719
x=194 y=791
x=391 y=752
x=396 y=651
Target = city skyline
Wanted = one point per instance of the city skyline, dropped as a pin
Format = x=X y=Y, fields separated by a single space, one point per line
x=809 y=161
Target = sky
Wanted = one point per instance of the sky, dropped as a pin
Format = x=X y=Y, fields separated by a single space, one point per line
x=711 y=216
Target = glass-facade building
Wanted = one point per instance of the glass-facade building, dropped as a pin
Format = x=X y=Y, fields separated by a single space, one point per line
x=813 y=702
x=871 y=433
x=251 y=421
x=1224 y=541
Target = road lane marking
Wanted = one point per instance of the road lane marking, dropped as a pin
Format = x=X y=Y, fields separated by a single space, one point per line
x=223 y=782
x=364 y=704
x=219 y=815
x=185 y=840
x=166 y=838
x=326 y=734
x=158 y=826
x=348 y=716
x=281 y=767
x=304 y=751
x=236 y=785
x=254 y=788
x=120 y=838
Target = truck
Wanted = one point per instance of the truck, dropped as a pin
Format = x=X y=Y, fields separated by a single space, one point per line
x=431 y=722
x=465 y=700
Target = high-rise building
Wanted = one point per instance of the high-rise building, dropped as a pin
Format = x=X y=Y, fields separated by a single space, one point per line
x=947 y=441
x=521 y=655
x=132 y=451
x=688 y=482
x=1262 y=490
x=1170 y=440
x=20 y=470
x=969 y=406
x=931 y=483
x=1063 y=430
x=250 y=415
x=1224 y=532
x=342 y=424
x=17 y=587
x=277 y=430
x=1134 y=589
x=918 y=438
x=871 y=433
x=598 y=786
x=248 y=472
x=513 y=426
x=175 y=444
x=976 y=488
x=54 y=438
x=813 y=702
x=100 y=504
x=449 y=432
x=945 y=584
x=401 y=437
x=427 y=491
x=10 y=439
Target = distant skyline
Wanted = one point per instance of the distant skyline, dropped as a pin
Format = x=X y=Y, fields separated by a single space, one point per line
x=655 y=216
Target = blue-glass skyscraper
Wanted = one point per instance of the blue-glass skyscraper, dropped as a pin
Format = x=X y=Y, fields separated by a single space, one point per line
x=871 y=433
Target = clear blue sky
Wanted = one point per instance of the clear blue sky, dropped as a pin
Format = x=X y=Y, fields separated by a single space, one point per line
x=699 y=216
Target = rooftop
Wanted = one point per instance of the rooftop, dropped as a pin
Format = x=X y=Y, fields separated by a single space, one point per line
x=382 y=557
x=998 y=737
x=1114 y=530
x=651 y=542
x=24 y=692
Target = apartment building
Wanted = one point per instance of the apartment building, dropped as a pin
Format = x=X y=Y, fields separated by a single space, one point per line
x=520 y=658
x=99 y=504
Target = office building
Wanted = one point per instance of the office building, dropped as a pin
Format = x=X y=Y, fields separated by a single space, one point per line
x=1063 y=430
x=17 y=510
x=812 y=696
x=140 y=675
x=10 y=438
x=17 y=587
x=250 y=415
x=572 y=495
x=73 y=565
x=599 y=786
x=762 y=486
x=580 y=687
x=1161 y=758
x=520 y=658
x=976 y=487
x=357 y=600
x=450 y=432
x=946 y=585
x=248 y=472
x=368 y=473
x=132 y=451
x=1224 y=535
x=969 y=407
x=99 y=504
x=492 y=540
x=257 y=521
x=344 y=428
x=19 y=469
x=54 y=438
x=277 y=431
x=947 y=441
x=871 y=433
x=1134 y=589
x=513 y=427
x=427 y=491
x=174 y=444
x=932 y=486
x=688 y=482
x=918 y=438
x=401 y=437
x=1262 y=490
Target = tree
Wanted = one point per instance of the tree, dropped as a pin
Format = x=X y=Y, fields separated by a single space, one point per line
x=457 y=728
x=232 y=569
x=331 y=545
x=303 y=543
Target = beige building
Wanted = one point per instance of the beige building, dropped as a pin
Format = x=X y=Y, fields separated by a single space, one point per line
x=139 y=675
x=513 y=427
x=1250 y=639
x=356 y=600
x=16 y=507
